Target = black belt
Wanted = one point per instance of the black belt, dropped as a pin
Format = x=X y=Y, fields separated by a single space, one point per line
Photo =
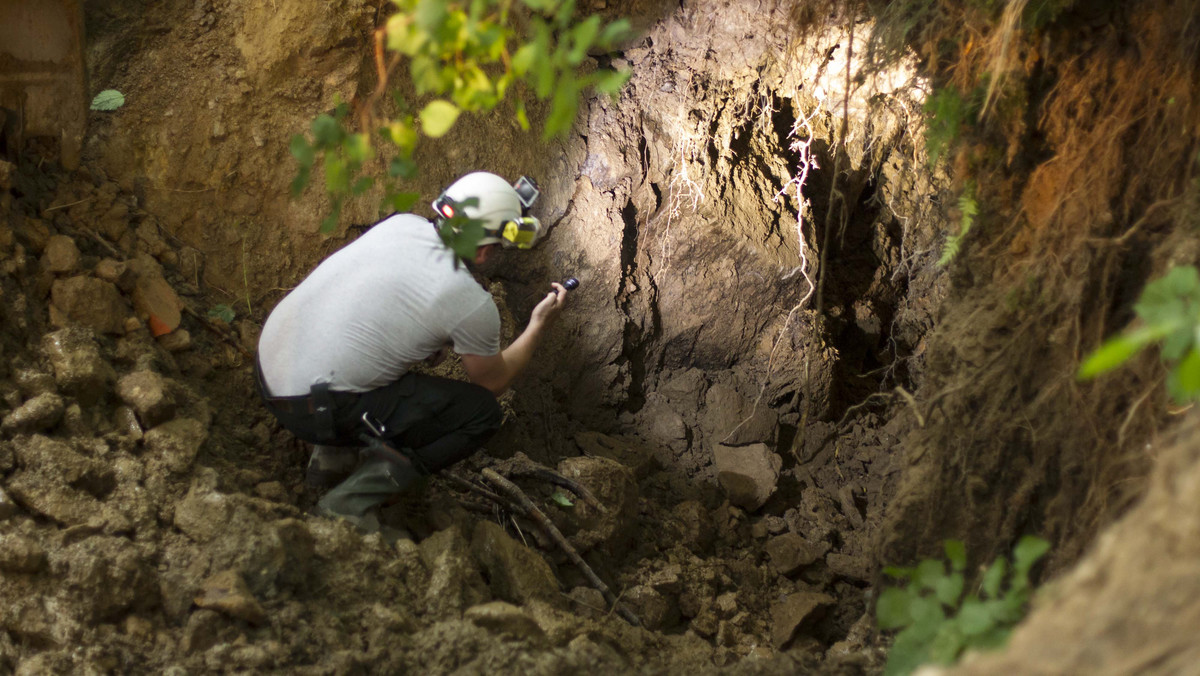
x=298 y=405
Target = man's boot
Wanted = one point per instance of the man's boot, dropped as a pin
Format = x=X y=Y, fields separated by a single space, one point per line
x=375 y=481
x=328 y=466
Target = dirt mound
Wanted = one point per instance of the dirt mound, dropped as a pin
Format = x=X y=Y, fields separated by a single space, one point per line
x=164 y=531
x=1124 y=608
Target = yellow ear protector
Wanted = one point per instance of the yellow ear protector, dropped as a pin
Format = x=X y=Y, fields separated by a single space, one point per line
x=521 y=233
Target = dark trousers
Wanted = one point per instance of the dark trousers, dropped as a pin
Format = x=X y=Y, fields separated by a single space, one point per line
x=434 y=421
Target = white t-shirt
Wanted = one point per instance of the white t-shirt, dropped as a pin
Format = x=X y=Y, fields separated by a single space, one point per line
x=387 y=300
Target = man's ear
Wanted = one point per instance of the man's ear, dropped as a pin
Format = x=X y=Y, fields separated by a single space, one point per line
x=484 y=252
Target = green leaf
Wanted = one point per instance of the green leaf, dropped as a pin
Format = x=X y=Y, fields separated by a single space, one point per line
x=337 y=177
x=522 y=117
x=402 y=167
x=109 y=99
x=547 y=6
x=956 y=554
x=582 y=37
x=975 y=617
x=1183 y=381
x=301 y=180
x=431 y=15
x=994 y=577
x=327 y=131
x=362 y=185
x=524 y=58
x=1163 y=300
x=330 y=222
x=1116 y=351
x=893 y=610
x=304 y=153
x=400 y=202
x=946 y=645
x=611 y=82
x=928 y=573
x=909 y=651
x=948 y=589
x=222 y=312
x=899 y=573
x=438 y=117
x=561 y=499
x=562 y=108
x=1176 y=344
x=614 y=32
x=1029 y=549
x=358 y=148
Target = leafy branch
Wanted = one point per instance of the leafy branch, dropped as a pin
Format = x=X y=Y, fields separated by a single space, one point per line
x=938 y=622
x=462 y=56
x=1169 y=310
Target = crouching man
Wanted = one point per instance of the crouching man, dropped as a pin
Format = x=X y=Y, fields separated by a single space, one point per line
x=334 y=355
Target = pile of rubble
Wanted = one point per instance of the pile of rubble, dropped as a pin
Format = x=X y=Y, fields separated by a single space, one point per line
x=133 y=538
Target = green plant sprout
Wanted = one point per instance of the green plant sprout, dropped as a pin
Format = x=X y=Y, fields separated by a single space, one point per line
x=969 y=208
x=109 y=99
x=222 y=312
x=462 y=56
x=937 y=622
x=1169 y=310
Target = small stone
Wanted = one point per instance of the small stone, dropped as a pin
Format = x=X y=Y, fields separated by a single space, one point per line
x=517 y=573
x=60 y=255
x=19 y=554
x=655 y=611
x=33 y=382
x=505 y=618
x=39 y=413
x=226 y=592
x=851 y=567
x=149 y=395
x=153 y=298
x=116 y=272
x=589 y=601
x=790 y=613
x=79 y=369
x=89 y=302
x=177 y=442
x=271 y=490
x=791 y=551
x=201 y=632
x=691 y=526
x=8 y=508
x=748 y=474
x=176 y=341
x=454 y=582
x=126 y=422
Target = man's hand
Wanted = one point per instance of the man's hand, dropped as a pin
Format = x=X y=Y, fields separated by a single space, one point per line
x=496 y=372
x=547 y=310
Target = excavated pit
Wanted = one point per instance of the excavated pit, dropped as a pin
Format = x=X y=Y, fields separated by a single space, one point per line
x=760 y=374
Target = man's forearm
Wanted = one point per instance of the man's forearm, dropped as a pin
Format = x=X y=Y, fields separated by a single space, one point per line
x=517 y=356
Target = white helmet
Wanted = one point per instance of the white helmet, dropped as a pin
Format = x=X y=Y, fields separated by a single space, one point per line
x=500 y=207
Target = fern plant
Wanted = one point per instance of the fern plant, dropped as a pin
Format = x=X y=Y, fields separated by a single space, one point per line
x=969 y=208
x=938 y=622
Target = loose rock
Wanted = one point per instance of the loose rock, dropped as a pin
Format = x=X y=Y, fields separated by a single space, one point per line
x=789 y=614
x=19 y=554
x=791 y=551
x=517 y=573
x=177 y=442
x=61 y=255
x=79 y=369
x=748 y=474
x=89 y=302
x=504 y=618
x=149 y=395
x=36 y=415
x=226 y=592
x=454 y=582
